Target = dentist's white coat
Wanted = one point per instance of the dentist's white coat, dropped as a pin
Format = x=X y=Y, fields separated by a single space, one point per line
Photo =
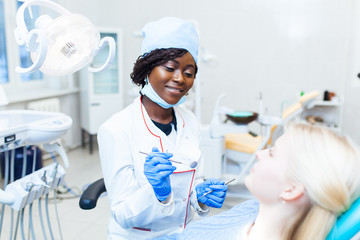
x=135 y=211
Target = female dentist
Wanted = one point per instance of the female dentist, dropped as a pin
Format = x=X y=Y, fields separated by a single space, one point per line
x=149 y=194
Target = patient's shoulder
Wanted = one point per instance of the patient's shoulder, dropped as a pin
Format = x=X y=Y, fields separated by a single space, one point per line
x=226 y=225
x=241 y=213
x=235 y=217
x=246 y=206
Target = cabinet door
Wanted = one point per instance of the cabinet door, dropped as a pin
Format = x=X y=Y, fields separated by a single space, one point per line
x=102 y=93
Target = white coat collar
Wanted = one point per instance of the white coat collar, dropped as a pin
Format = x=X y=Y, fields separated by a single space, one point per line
x=152 y=127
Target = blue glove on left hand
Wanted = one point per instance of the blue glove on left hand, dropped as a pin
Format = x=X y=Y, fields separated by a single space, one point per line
x=216 y=197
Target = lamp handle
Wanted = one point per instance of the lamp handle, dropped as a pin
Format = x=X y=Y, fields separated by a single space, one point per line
x=110 y=58
x=36 y=41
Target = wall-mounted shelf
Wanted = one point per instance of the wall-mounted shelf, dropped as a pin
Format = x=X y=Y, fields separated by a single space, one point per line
x=331 y=113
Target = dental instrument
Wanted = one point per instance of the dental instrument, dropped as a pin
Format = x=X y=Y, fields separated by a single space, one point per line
x=192 y=165
x=226 y=183
x=56 y=147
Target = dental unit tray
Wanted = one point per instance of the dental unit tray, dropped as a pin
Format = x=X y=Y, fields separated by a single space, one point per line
x=31 y=187
x=26 y=127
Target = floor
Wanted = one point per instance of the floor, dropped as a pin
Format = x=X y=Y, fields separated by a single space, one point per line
x=75 y=223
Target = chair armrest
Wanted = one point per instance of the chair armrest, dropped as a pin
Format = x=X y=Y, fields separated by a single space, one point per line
x=91 y=194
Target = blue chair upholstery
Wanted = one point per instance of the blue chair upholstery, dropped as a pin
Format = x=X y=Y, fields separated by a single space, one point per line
x=347 y=225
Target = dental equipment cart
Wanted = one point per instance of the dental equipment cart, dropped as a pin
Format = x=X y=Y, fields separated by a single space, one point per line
x=20 y=129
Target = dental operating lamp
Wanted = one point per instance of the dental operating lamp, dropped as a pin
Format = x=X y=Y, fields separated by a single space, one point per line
x=62 y=45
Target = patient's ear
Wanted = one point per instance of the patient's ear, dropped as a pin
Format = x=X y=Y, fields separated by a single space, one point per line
x=292 y=191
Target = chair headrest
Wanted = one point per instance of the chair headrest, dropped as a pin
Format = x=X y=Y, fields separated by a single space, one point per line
x=291 y=111
x=308 y=98
x=347 y=225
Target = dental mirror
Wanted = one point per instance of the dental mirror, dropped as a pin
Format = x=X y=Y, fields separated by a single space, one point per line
x=192 y=165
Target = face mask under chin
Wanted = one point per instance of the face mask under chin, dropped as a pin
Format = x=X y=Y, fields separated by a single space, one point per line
x=150 y=93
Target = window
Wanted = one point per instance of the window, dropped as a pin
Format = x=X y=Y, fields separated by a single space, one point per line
x=25 y=59
x=4 y=75
x=11 y=54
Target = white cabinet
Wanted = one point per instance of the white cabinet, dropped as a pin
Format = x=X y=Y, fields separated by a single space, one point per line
x=101 y=94
x=325 y=113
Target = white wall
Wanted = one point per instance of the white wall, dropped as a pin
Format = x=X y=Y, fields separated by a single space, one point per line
x=351 y=111
x=277 y=47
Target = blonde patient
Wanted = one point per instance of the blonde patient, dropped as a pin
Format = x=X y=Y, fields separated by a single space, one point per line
x=301 y=185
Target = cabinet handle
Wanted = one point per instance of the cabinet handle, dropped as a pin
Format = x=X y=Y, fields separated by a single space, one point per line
x=95 y=104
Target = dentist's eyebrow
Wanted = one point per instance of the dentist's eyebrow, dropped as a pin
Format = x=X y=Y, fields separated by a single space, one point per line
x=175 y=61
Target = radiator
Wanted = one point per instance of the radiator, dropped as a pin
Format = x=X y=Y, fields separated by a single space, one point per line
x=46 y=105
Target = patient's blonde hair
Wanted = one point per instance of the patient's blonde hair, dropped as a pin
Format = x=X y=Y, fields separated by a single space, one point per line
x=328 y=166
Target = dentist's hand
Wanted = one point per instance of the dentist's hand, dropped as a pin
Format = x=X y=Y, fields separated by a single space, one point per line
x=216 y=197
x=157 y=169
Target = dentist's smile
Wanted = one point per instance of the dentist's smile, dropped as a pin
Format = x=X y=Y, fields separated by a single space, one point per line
x=174 y=90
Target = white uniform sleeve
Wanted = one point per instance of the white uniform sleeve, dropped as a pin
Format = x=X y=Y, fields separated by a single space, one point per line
x=202 y=210
x=132 y=204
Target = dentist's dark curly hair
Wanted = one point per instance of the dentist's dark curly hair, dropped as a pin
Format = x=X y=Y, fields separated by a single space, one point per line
x=146 y=63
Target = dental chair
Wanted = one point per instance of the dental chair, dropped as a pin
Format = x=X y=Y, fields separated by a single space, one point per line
x=305 y=102
x=240 y=148
x=347 y=226
x=91 y=194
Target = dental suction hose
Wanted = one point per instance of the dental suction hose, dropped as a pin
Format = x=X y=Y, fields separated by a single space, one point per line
x=6 y=198
x=56 y=147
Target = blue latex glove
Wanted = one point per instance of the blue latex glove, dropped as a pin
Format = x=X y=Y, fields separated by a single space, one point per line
x=157 y=169
x=216 y=197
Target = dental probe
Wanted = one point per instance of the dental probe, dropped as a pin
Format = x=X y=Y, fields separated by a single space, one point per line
x=192 y=165
x=212 y=190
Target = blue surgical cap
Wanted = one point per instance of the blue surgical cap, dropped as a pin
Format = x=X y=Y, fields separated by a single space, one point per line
x=170 y=32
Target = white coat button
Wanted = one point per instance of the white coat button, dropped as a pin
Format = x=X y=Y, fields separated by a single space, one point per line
x=184 y=199
x=181 y=226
